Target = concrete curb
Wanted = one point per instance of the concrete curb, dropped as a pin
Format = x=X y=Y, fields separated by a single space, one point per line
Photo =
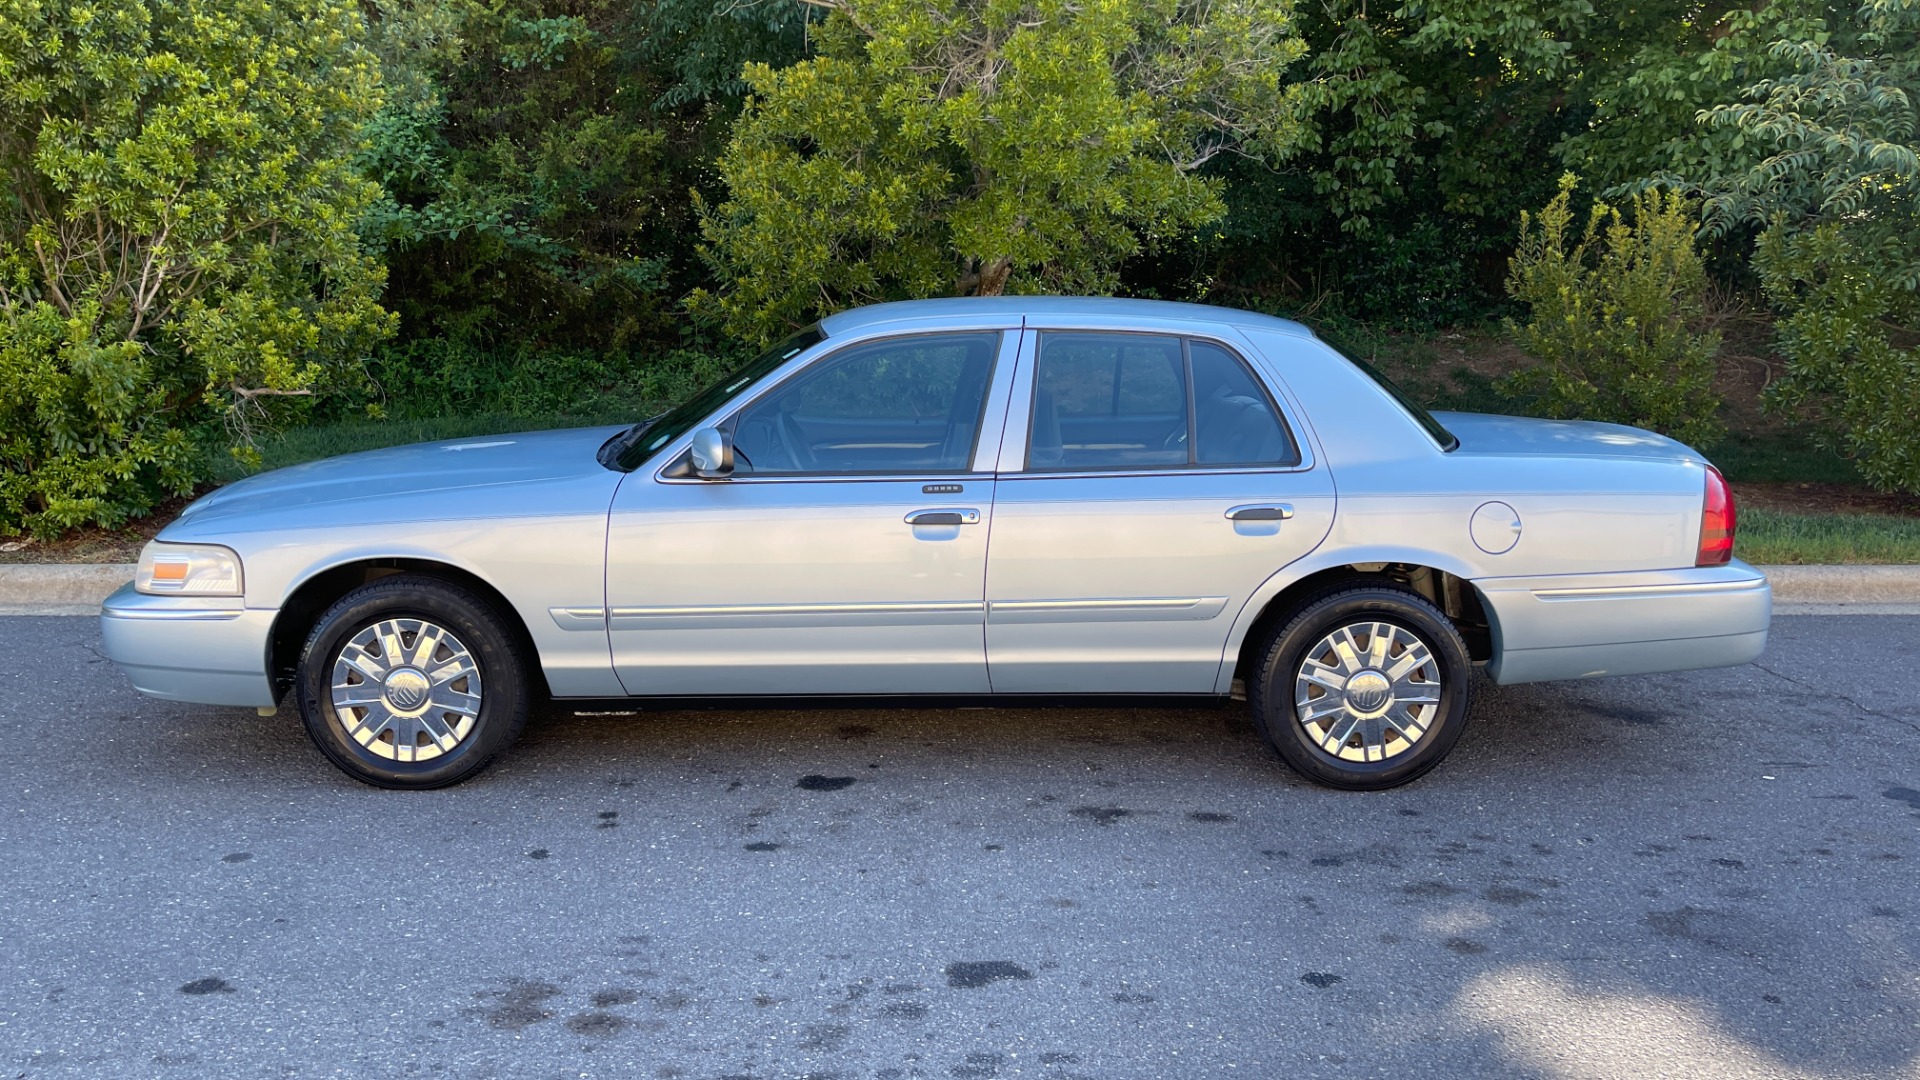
x=59 y=588
x=1844 y=584
x=78 y=588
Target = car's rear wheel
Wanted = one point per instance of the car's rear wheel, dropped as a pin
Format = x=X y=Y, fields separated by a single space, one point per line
x=411 y=682
x=1363 y=688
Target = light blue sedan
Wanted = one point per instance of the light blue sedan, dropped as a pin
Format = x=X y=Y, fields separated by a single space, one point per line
x=992 y=498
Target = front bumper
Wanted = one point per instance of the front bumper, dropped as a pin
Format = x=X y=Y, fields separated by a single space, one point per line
x=1588 y=625
x=203 y=650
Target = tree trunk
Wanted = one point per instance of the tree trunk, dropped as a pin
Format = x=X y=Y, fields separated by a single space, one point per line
x=986 y=278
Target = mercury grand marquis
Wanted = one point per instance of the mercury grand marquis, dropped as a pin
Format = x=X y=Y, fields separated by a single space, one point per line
x=992 y=498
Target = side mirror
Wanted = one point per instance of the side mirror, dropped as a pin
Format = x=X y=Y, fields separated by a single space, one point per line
x=712 y=454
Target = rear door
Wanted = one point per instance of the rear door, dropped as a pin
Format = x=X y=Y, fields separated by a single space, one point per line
x=1150 y=483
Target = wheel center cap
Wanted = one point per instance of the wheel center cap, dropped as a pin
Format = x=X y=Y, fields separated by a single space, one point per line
x=1369 y=692
x=407 y=689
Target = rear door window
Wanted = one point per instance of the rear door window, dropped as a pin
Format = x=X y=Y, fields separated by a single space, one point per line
x=1149 y=401
x=1234 y=416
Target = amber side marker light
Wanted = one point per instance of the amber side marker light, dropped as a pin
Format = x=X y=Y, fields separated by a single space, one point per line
x=1717 y=522
x=169 y=570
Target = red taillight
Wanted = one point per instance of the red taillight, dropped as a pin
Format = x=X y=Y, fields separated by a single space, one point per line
x=1717 y=521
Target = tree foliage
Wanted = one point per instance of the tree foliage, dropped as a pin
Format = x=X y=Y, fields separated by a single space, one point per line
x=1431 y=125
x=177 y=236
x=210 y=207
x=1838 y=192
x=537 y=179
x=1648 y=85
x=1465 y=90
x=938 y=147
x=1609 y=315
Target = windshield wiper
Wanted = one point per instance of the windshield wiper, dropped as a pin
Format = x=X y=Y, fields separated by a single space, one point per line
x=610 y=451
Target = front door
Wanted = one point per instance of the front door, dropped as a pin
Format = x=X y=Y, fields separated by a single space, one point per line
x=1159 y=488
x=847 y=555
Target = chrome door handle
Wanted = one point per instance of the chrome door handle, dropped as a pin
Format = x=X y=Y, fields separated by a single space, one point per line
x=957 y=516
x=1260 y=512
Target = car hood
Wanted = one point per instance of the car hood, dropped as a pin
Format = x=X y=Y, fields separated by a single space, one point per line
x=1484 y=433
x=422 y=480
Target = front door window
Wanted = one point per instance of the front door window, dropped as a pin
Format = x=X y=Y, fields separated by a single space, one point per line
x=905 y=406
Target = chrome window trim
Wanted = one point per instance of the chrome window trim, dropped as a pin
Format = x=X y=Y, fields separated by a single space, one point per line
x=1169 y=470
x=1009 y=332
x=1014 y=444
x=844 y=478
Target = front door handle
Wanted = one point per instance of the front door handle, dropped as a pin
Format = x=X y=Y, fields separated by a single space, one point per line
x=1260 y=512
x=954 y=516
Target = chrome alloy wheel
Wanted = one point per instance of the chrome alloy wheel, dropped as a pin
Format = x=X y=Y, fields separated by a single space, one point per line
x=406 y=689
x=1367 y=692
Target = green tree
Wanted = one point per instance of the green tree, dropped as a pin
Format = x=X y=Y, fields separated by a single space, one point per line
x=177 y=236
x=700 y=47
x=539 y=160
x=1470 y=90
x=1609 y=315
x=1428 y=121
x=1647 y=88
x=977 y=146
x=1838 y=193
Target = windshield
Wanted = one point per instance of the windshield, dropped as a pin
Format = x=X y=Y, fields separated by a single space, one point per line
x=1434 y=428
x=638 y=443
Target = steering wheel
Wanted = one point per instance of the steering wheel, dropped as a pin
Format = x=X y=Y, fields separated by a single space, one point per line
x=796 y=444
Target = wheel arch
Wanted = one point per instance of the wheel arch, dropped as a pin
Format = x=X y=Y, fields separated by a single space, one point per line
x=1440 y=580
x=322 y=589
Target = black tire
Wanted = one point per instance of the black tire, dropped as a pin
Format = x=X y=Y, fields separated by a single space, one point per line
x=1271 y=691
x=474 y=624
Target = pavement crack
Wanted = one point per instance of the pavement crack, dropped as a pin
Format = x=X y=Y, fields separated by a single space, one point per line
x=1810 y=688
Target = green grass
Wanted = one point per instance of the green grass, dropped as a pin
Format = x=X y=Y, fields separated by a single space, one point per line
x=1772 y=538
x=297 y=445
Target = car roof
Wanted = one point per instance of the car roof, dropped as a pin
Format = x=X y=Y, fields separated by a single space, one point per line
x=1105 y=306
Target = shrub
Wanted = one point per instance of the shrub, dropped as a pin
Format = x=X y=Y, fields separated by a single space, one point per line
x=1847 y=307
x=177 y=243
x=435 y=377
x=1609 y=316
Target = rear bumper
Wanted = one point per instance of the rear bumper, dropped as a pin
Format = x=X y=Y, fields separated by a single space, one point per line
x=1587 y=625
x=207 y=651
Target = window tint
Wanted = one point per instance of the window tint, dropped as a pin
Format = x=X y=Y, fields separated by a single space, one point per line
x=1108 y=401
x=906 y=405
x=1234 y=418
x=1120 y=401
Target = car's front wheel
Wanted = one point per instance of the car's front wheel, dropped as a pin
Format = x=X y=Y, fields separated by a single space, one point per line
x=1364 y=687
x=411 y=682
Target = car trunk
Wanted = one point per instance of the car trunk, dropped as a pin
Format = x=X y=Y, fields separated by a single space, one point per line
x=1481 y=433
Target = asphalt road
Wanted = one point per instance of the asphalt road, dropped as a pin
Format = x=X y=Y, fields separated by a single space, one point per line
x=1702 y=875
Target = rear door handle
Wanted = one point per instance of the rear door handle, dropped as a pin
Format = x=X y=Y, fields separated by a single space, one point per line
x=954 y=516
x=1260 y=512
